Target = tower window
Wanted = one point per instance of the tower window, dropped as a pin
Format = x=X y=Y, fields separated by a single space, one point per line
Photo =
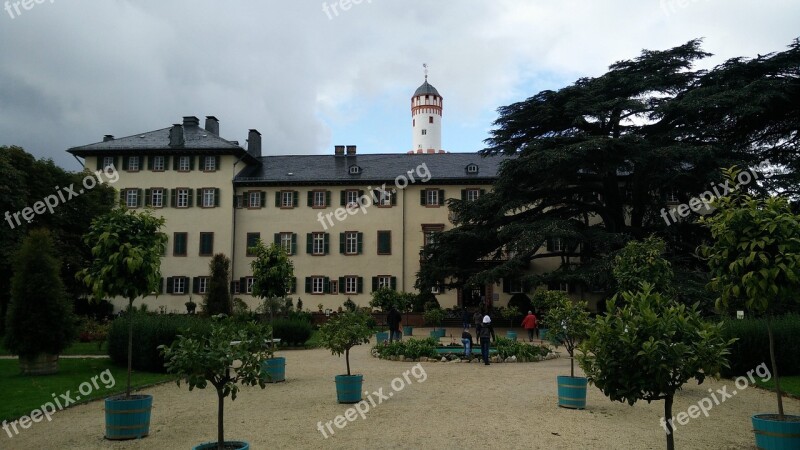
x=430 y=119
x=472 y=168
x=413 y=122
x=424 y=132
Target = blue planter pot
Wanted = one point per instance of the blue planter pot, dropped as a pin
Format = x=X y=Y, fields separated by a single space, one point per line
x=511 y=335
x=383 y=336
x=128 y=418
x=407 y=331
x=572 y=392
x=348 y=388
x=543 y=334
x=213 y=445
x=273 y=370
x=438 y=333
x=773 y=434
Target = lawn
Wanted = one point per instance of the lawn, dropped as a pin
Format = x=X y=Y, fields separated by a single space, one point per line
x=78 y=348
x=789 y=385
x=22 y=394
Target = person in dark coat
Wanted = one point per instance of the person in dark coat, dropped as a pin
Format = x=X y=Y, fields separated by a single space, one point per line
x=465 y=318
x=393 y=320
x=487 y=331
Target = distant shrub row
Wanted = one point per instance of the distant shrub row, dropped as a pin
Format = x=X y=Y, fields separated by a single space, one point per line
x=752 y=346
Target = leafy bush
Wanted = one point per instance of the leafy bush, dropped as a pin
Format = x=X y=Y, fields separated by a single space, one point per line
x=433 y=316
x=412 y=348
x=291 y=331
x=350 y=305
x=751 y=334
x=424 y=301
x=524 y=352
x=300 y=315
x=91 y=330
x=150 y=331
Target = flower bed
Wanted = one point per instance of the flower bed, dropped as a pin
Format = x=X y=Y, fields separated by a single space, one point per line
x=504 y=350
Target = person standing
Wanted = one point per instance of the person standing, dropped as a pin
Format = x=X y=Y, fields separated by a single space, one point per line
x=485 y=334
x=530 y=324
x=465 y=318
x=466 y=339
x=393 y=320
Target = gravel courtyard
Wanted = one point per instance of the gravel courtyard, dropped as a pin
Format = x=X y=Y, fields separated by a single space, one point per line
x=448 y=405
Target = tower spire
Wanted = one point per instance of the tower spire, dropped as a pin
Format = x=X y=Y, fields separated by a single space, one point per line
x=425 y=66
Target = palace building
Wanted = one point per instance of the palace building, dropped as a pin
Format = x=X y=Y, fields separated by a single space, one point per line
x=351 y=222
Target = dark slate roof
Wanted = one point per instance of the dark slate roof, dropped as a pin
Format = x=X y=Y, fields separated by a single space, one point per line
x=426 y=89
x=443 y=168
x=195 y=137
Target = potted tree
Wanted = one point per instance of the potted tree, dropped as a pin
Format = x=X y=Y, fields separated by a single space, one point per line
x=755 y=259
x=191 y=306
x=339 y=334
x=383 y=299
x=40 y=322
x=273 y=272
x=568 y=322
x=203 y=358
x=435 y=317
x=511 y=313
x=127 y=246
x=405 y=303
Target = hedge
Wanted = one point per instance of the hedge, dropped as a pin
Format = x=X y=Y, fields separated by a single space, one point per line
x=149 y=331
x=291 y=331
x=752 y=346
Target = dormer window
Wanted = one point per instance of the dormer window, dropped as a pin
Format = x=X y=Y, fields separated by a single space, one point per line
x=472 y=168
x=355 y=170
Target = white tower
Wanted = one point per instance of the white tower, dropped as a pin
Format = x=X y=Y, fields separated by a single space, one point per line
x=426 y=118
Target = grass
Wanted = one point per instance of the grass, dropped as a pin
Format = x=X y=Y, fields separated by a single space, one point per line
x=22 y=393
x=789 y=385
x=78 y=348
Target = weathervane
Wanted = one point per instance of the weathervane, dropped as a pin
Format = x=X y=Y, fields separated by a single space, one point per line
x=425 y=65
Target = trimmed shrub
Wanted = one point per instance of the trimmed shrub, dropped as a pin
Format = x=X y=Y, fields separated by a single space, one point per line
x=291 y=331
x=149 y=332
x=524 y=352
x=748 y=351
x=412 y=348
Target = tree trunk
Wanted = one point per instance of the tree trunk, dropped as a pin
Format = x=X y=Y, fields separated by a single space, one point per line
x=347 y=358
x=775 y=368
x=130 y=347
x=571 y=365
x=667 y=418
x=220 y=418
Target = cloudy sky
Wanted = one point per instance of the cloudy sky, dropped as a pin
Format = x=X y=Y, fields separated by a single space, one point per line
x=74 y=70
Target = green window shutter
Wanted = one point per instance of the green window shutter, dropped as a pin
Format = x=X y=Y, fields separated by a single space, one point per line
x=293 y=285
x=125 y=162
x=166 y=162
x=441 y=196
x=360 y=243
x=278 y=199
x=169 y=285
x=394 y=198
x=295 y=198
x=327 y=198
x=139 y=197
x=341 y=242
x=116 y=163
x=463 y=195
x=173 y=198
x=160 y=288
x=99 y=162
x=294 y=243
x=277 y=239
x=326 y=285
x=263 y=199
x=175 y=162
x=310 y=199
x=384 y=242
x=422 y=198
x=341 y=198
x=374 y=284
x=341 y=285
x=216 y=162
x=326 y=243
x=393 y=283
x=195 y=285
x=216 y=197
x=150 y=162
x=198 y=196
x=359 y=285
x=191 y=162
x=360 y=194
x=310 y=243
x=190 y=198
x=308 y=285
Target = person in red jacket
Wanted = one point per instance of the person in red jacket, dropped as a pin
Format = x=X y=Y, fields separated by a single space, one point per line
x=530 y=324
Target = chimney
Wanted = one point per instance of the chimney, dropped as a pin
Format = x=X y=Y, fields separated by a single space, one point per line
x=191 y=121
x=108 y=137
x=176 y=136
x=254 y=143
x=338 y=150
x=212 y=125
x=351 y=150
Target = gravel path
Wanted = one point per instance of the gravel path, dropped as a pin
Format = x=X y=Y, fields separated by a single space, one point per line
x=440 y=405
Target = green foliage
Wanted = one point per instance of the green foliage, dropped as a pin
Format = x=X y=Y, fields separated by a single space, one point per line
x=411 y=348
x=299 y=304
x=91 y=330
x=217 y=299
x=384 y=298
x=291 y=331
x=203 y=358
x=273 y=271
x=568 y=324
x=40 y=319
x=752 y=338
x=755 y=256
x=642 y=262
x=543 y=299
x=151 y=330
x=424 y=301
x=350 y=305
x=510 y=313
x=522 y=351
x=344 y=331
x=433 y=316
